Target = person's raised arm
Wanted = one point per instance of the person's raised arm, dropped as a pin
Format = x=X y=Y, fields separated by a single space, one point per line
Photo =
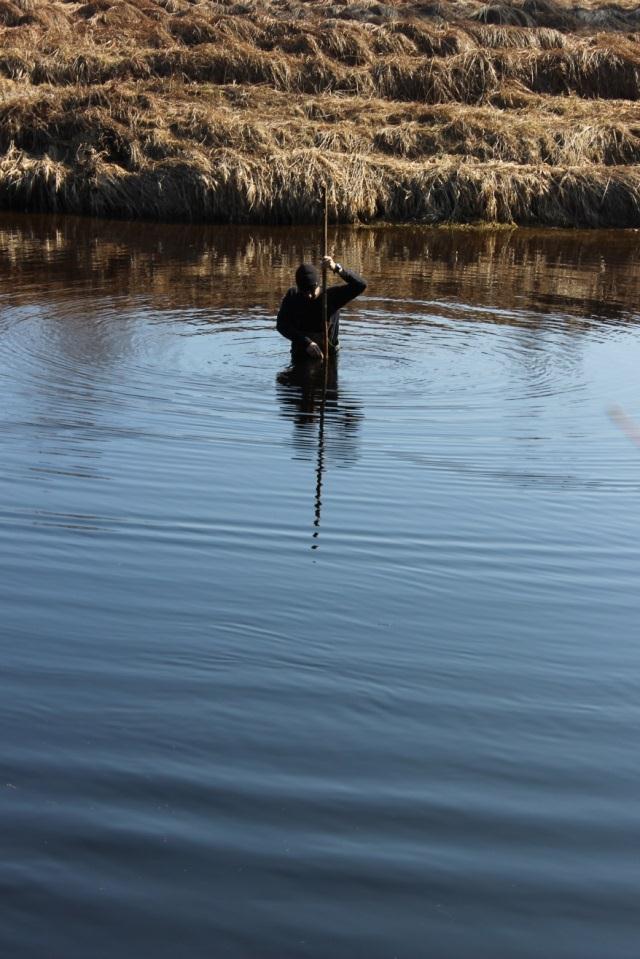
x=339 y=296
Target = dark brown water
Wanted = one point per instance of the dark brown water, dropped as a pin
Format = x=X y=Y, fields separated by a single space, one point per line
x=277 y=686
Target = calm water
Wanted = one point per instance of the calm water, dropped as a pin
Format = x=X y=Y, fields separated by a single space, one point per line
x=275 y=685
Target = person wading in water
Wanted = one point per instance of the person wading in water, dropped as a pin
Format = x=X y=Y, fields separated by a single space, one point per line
x=300 y=314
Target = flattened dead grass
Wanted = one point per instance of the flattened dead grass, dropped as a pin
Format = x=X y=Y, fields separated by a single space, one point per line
x=521 y=112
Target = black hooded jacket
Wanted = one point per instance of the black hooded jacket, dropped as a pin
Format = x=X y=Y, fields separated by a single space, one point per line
x=300 y=319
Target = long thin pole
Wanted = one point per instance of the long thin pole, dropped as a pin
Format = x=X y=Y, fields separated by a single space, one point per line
x=325 y=246
x=325 y=317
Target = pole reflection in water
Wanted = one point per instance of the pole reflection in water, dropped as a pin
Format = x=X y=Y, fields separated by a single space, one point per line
x=320 y=463
x=326 y=428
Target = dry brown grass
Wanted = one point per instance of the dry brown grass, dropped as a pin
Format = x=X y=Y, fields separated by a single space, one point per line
x=520 y=112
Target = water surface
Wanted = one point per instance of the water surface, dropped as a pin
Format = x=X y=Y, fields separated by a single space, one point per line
x=291 y=679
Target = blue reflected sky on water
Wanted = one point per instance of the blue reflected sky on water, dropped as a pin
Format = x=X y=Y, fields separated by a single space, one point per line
x=411 y=733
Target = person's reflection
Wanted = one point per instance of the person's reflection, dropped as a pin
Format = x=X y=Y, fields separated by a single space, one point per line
x=325 y=429
x=305 y=398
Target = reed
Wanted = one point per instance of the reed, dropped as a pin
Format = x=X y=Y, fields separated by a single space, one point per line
x=522 y=112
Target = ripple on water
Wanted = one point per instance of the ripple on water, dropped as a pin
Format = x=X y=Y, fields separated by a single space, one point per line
x=365 y=667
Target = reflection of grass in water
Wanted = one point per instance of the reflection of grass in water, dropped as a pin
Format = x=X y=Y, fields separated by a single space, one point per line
x=572 y=274
x=518 y=112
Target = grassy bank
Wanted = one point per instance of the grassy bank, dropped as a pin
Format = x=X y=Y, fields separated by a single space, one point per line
x=522 y=112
